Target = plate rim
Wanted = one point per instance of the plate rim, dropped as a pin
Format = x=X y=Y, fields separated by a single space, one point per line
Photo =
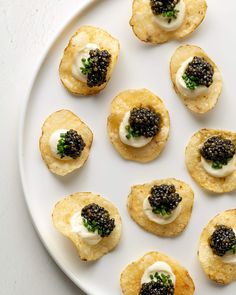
x=80 y=11
x=85 y=4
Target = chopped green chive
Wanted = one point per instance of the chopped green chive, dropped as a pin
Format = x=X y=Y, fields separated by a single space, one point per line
x=161 y=211
x=170 y=14
x=87 y=66
x=161 y=277
x=91 y=227
x=233 y=250
x=219 y=164
x=191 y=82
x=61 y=146
x=131 y=132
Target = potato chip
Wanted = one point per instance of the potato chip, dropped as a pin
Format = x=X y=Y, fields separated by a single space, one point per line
x=126 y=101
x=216 y=270
x=135 y=207
x=83 y=36
x=131 y=276
x=146 y=29
x=195 y=168
x=66 y=208
x=64 y=119
x=203 y=103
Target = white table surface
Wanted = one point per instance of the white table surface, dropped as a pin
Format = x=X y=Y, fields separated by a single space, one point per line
x=26 y=27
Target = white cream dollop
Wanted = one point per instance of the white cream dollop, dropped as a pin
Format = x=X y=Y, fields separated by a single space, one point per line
x=136 y=142
x=223 y=172
x=53 y=141
x=174 y=24
x=77 y=226
x=181 y=85
x=159 y=267
x=158 y=218
x=77 y=64
x=229 y=258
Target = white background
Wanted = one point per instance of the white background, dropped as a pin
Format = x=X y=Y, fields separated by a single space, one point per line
x=27 y=26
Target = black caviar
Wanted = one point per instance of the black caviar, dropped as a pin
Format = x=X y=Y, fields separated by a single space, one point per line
x=144 y=122
x=163 y=6
x=156 y=288
x=95 y=67
x=223 y=240
x=164 y=199
x=70 y=144
x=218 y=149
x=198 y=72
x=97 y=218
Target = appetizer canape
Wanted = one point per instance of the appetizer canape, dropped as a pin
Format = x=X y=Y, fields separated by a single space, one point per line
x=88 y=61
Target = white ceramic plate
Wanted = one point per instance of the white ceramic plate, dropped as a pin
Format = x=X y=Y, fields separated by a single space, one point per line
x=106 y=173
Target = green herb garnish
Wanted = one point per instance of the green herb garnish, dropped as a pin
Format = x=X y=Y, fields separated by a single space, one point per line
x=131 y=132
x=165 y=279
x=191 y=82
x=87 y=66
x=61 y=146
x=219 y=164
x=93 y=226
x=170 y=14
x=233 y=250
x=163 y=211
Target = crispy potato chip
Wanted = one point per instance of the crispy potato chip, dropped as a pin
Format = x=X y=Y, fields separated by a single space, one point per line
x=124 y=102
x=64 y=119
x=146 y=29
x=195 y=168
x=213 y=266
x=83 y=36
x=135 y=207
x=131 y=276
x=203 y=103
x=66 y=208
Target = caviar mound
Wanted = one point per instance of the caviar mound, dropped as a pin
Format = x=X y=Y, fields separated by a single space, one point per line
x=222 y=240
x=212 y=264
x=144 y=121
x=140 y=192
x=100 y=61
x=125 y=102
x=201 y=70
x=219 y=149
x=203 y=103
x=156 y=288
x=158 y=7
x=195 y=168
x=146 y=29
x=64 y=119
x=93 y=213
x=83 y=36
x=164 y=196
x=74 y=203
x=131 y=276
x=71 y=144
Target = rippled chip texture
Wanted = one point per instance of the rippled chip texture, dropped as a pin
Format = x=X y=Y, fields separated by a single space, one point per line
x=83 y=36
x=131 y=276
x=64 y=119
x=135 y=207
x=203 y=103
x=216 y=270
x=146 y=29
x=66 y=208
x=195 y=168
x=125 y=102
